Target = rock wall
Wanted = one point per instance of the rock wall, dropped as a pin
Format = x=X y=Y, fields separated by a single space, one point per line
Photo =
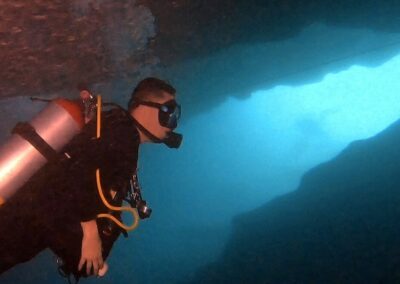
x=340 y=226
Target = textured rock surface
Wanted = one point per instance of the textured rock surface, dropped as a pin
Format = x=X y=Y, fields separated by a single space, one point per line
x=193 y=28
x=47 y=46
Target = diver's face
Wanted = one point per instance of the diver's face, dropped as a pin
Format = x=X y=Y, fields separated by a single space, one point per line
x=151 y=115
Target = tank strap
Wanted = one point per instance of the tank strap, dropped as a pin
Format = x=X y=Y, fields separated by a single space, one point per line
x=26 y=131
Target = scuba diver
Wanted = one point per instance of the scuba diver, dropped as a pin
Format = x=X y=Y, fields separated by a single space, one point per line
x=59 y=206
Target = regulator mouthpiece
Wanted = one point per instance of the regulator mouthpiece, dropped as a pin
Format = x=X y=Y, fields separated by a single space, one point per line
x=173 y=140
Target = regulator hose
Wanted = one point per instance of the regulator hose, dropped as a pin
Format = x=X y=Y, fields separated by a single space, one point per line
x=100 y=189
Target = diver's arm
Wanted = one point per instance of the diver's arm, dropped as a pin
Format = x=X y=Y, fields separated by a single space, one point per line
x=91 y=253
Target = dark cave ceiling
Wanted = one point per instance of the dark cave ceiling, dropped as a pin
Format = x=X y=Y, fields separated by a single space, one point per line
x=48 y=46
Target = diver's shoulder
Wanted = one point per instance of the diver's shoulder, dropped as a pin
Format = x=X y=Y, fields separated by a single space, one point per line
x=119 y=120
x=117 y=114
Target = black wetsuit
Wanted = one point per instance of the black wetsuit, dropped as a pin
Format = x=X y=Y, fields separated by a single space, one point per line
x=47 y=211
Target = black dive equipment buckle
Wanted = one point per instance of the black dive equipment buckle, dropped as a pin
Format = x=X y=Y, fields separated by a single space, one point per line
x=134 y=198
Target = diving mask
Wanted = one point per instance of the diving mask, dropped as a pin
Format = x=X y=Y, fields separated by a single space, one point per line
x=168 y=116
x=169 y=112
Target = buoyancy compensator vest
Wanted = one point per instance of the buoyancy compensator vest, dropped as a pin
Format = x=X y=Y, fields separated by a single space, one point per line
x=32 y=144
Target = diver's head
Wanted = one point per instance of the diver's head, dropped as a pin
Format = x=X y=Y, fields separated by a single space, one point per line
x=154 y=107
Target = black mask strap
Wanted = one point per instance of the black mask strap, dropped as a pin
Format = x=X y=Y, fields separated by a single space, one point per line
x=173 y=140
x=146 y=132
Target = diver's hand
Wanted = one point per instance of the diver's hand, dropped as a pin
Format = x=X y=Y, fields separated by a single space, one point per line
x=103 y=270
x=91 y=248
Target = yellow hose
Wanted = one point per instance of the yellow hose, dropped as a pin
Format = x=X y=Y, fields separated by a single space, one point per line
x=100 y=190
x=109 y=206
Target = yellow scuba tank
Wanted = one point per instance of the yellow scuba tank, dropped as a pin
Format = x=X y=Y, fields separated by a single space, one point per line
x=33 y=144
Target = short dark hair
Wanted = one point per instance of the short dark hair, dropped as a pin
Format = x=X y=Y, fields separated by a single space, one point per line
x=150 y=87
